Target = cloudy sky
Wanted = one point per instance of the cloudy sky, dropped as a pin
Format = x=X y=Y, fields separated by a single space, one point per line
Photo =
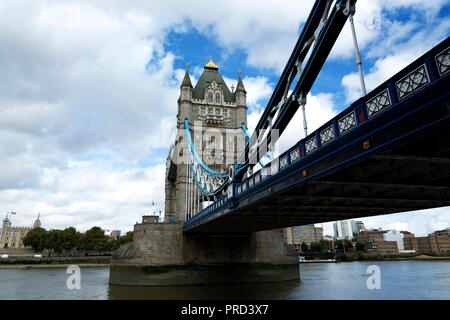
x=88 y=92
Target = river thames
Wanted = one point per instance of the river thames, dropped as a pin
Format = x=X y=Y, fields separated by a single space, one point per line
x=345 y=280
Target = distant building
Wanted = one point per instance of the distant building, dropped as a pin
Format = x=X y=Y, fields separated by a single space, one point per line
x=445 y=232
x=328 y=238
x=12 y=237
x=308 y=234
x=394 y=235
x=357 y=227
x=330 y=241
x=437 y=242
x=115 y=234
x=423 y=245
x=381 y=241
x=371 y=234
x=410 y=242
x=343 y=229
x=376 y=241
x=347 y=229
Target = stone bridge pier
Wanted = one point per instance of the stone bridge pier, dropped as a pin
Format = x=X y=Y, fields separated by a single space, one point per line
x=161 y=254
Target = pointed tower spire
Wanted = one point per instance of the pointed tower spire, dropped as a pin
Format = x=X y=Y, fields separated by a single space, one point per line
x=240 y=93
x=185 y=100
x=37 y=222
x=240 y=84
x=187 y=78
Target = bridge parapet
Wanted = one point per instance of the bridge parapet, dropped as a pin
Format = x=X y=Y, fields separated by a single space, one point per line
x=404 y=84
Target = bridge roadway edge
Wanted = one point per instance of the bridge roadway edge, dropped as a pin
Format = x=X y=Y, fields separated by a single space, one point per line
x=161 y=254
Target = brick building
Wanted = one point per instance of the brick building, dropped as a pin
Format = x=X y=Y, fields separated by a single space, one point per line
x=437 y=242
x=375 y=241
x=308 y=234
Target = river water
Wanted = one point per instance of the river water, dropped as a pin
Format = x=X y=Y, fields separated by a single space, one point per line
x=345 y=280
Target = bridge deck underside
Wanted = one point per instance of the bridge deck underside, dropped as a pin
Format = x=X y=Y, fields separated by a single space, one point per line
x=412 y=175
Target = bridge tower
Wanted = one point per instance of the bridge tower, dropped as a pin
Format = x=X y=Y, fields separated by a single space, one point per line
x=215 y=115
x=161 y=253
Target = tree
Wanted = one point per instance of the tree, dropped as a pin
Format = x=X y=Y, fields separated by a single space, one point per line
x=348 y=245
x=128 y=237
x=70 y=238
x=113 y=244
x=323 y=245
x=95 y=239
x=304 y=247
x=315 y=246
x=339 y=244
x=35 y=239
x=360 y=246
x=54 y=241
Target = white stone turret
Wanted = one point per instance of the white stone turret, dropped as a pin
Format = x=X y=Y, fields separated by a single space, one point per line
x=185 y=100
x=241 y=94
x=37 y=222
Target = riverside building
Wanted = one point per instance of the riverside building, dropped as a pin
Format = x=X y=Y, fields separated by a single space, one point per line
x=12 y=237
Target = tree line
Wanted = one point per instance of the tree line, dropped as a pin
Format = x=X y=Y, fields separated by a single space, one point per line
x=323 y=246
x=58 y=241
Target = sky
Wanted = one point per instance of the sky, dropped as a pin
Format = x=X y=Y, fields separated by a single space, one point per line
x=88 y=93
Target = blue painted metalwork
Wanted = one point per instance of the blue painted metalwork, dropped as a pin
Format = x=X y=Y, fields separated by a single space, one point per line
x=377 y=116
x=247 y=139
x=221 y=179
x=194 y=153
x=329 y=30
x=320 y=33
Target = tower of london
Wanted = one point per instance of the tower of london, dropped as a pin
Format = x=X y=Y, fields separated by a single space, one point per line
x=12 y=237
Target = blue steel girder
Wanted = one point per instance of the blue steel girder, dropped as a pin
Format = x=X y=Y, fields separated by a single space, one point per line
x=208 y=181
x=319 y=33
x=412 y=104
x=329 y=27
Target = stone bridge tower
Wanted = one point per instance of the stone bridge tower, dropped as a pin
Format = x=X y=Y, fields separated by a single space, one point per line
x=215 y=115
x=161 y=253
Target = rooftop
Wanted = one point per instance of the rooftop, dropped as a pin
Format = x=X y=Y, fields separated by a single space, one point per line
x=210 y=74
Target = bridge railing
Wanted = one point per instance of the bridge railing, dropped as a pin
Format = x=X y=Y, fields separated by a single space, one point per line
x=399 y=88
x=221 y=203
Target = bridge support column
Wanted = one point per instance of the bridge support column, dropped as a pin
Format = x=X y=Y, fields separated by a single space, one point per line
x=161 y=254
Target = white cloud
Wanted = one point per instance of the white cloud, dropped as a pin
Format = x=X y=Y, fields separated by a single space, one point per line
x=88 y=193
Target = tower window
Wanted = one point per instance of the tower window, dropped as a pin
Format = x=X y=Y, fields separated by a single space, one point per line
x=218 y=97
x=210 y=97
x=202 y=112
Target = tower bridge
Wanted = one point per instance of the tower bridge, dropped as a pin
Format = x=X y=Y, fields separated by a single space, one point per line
x=388 y=152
